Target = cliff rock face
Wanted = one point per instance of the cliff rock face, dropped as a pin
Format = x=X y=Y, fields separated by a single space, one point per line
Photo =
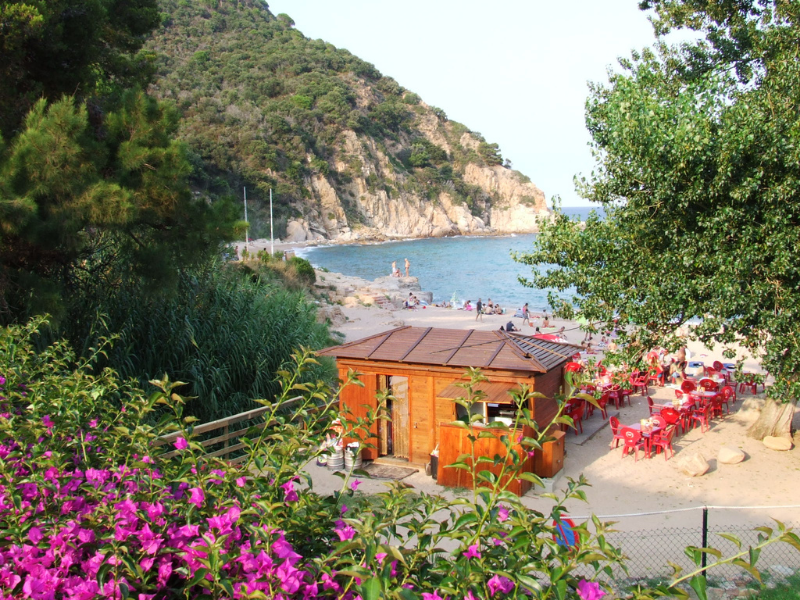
x=383 y=202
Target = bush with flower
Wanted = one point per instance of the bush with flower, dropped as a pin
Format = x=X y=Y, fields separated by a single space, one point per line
x=94 y=503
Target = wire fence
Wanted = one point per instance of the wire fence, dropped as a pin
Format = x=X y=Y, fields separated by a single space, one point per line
x=649 y=552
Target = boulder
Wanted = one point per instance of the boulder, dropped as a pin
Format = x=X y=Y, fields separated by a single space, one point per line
x=777 y=443
x=730 y=456
x=694 y=465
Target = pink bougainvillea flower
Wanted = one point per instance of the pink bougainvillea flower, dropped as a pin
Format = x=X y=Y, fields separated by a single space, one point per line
x=283 y=549
x=434 y=596
x=240 y=481
x=470 y=596
x=345 y=532
x=344 y=508
x=181 y=444
x=502 y=514
x=590 y=590
x=35 y=535
x=48 y=422
x=499 y=584
x=288 y=492
x=355 y=484
x=473 y=551
x=380 y=556
x=196 y=496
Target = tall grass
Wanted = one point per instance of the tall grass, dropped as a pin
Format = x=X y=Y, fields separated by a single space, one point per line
x=226 y=332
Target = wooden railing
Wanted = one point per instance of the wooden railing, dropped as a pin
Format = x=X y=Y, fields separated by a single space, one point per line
x=226 y=437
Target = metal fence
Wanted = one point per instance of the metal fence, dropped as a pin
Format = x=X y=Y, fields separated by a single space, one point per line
x=649 y=551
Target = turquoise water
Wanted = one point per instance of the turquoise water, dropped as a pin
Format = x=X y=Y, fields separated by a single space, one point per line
x=470 y=267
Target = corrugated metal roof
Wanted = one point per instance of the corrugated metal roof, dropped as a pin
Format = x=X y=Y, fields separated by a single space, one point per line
x=457 y=348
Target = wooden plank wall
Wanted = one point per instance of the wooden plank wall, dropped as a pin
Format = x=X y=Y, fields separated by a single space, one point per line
x=454 y=442
x=549 y=384
x=360 y=400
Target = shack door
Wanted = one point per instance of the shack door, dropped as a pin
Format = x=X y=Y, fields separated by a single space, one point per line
x=393 y=435
x=399 y=387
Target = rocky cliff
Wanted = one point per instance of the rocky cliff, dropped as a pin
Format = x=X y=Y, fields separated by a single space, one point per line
x=348 y=153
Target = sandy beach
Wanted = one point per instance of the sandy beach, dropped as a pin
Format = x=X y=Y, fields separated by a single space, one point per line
x=618 y=486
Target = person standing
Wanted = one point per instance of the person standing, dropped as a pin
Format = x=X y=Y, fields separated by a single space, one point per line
x=526 y=315
x=395 y=272
x=408 y=264
x=479 y=309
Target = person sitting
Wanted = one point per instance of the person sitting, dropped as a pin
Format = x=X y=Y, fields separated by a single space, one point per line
x=498 y=310
x=546 y=322
x=510 y=327
x=467 y=305
x=489 y=303
x=501 y=328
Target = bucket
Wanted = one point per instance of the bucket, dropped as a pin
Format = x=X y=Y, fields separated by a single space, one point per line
x=336 y=459
x=351 y=459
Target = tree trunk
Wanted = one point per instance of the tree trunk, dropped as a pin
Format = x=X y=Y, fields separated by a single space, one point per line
x=775 y=420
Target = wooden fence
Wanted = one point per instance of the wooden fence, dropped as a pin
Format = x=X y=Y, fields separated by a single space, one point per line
x=227 y=438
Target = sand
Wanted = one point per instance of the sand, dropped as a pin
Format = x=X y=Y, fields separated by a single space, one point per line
x=618 y=485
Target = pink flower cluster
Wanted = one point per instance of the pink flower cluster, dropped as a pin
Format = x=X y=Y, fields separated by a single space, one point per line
x=80 y=523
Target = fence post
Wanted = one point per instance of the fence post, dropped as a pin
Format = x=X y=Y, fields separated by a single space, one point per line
x=705 y=539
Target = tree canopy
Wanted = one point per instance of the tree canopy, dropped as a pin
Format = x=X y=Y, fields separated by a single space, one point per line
x=89 y=168
x=697 y=150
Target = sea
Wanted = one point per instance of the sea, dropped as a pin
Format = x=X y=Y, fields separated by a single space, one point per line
x=460 y=268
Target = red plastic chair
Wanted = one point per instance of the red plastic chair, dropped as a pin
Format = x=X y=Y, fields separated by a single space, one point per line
x=748 y=381
x=574 y=410
x=672 y=417
x=663 y=441
x=708 y=385
x=639 y=379
x=659 y=420
x=614 y=393
x=650 y=405
x=703 y=417
x=602 y=402
x=573 y=367
x=688 y=386
x=624 y=394
x=633 y=440
x=731 y=393
x=615 y=432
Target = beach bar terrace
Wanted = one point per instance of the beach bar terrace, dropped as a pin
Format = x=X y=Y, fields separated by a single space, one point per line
x=420 y=367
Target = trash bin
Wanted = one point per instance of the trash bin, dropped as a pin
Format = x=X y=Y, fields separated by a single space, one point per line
x=435 y=466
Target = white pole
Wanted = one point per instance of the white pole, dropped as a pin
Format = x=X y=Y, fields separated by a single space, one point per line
x=247 y=229
x=271 y=235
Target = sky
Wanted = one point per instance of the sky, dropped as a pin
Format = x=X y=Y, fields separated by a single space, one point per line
x=514 y=70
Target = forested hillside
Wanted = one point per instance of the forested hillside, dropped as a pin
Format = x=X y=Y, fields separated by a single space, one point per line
x=347 y=151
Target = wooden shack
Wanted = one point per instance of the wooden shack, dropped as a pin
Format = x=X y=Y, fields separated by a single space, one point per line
x=421 y=365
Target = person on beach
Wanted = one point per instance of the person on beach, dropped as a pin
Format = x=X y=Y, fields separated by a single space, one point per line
x=408 y=264
x=526 y=315
x=395 y=270
x=510 y=327
x=479 y=309
x=546 y=322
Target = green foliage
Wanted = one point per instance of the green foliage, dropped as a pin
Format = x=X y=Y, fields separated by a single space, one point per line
x=69 y=47
x=698 y=175
x=490 y=153
x=75 y=189
x=226 y=332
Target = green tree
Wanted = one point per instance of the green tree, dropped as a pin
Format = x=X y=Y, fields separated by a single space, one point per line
x=698 y=173
x=57 y=47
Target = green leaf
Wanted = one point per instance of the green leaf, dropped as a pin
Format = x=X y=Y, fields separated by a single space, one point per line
x=371 y=589
x=698 y=583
